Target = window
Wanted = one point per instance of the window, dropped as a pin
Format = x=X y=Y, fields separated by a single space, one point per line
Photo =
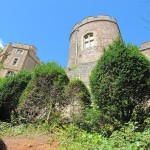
x=15 y=61
x=9 y=73
x=19 y=51
x=88 y=40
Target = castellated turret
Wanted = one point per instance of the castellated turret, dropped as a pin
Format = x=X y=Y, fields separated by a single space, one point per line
x=87 y=42
x=90 y=37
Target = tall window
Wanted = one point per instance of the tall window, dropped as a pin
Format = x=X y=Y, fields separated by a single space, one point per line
x=15 y=61
x=88 y=40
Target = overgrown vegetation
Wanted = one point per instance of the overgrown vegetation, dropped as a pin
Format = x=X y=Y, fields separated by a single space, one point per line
x=71 y=137
x=120 y=82
x=11 y=89
x=43 y=98
x=77 y=98
x=116 y=117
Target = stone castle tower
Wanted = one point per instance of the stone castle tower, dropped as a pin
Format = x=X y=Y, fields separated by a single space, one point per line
x=89 y=37
x=17 y=57
x=87 y=42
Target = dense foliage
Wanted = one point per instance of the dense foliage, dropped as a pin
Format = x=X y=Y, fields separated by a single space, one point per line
x=11 y=89
x=120 y=81
x=43 y=97
x=72 y=138
x=77 y=98
x=120 y=86
x=126 y=139
x=93 y=120
x=77 y=91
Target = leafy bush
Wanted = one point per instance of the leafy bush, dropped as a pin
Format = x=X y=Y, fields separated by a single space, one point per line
x=72 y=137
x=77 y=98
x=93 y=120
x=127 y=138
x=11 y=89
x=119 y=82
x=141 y=115
x=43 y=97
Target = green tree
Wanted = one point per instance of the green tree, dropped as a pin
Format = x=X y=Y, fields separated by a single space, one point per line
x=120 y=80
x=44 y=94
x=77 y=98
x=11 y=89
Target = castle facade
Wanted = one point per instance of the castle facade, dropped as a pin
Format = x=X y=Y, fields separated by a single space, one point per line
x=17 y=57
x=87 y=42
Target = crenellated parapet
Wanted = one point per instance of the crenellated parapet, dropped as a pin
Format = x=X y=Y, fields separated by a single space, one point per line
x=93 y=19
x=88 y=39
x=25 y=47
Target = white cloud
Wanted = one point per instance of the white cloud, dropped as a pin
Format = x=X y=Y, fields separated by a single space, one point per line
x=1 y=43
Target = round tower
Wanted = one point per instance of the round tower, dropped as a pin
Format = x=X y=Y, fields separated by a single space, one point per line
x=89 y=37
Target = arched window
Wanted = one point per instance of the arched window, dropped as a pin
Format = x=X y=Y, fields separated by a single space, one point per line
x=88 y=40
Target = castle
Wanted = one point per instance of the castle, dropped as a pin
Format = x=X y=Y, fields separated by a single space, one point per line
x=17 y=57
x=87 y=42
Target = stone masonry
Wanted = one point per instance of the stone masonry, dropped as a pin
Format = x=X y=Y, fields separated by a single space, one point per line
x=87 y=42
x=145 y=49
x=17 y=57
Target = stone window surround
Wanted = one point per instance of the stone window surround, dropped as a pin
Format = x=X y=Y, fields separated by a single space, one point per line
x=19 y=51
x=15 y=61
x=88 y=40
x=82 y=40
x=9 y=73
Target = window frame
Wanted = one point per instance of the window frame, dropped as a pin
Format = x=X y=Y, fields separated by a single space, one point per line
x=88 y=40
x=19 y=51
x=15 y=61
x=9 y=73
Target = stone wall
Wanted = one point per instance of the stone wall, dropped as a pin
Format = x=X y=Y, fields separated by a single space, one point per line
x=26 y=60
x=105 y=31
x=82 y=72
x=10 y=58
x=145 y=49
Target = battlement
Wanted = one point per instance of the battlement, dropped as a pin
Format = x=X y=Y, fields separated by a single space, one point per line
x=145 y=46
x=92 y=19
x=25 y=46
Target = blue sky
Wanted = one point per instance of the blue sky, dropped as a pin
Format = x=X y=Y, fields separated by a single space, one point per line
x=47 y=23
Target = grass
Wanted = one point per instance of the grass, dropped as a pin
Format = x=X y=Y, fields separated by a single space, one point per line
x=72 y=138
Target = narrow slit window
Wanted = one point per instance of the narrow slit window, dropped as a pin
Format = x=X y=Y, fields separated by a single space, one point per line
x=15 y=61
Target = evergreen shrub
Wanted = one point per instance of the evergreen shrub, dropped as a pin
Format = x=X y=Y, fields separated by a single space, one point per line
x=120 y=81
x=77 y=98
x=11 y=89
x=43 y=97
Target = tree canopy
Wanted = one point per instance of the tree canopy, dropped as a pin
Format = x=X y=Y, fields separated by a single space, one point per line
x=120 y=80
